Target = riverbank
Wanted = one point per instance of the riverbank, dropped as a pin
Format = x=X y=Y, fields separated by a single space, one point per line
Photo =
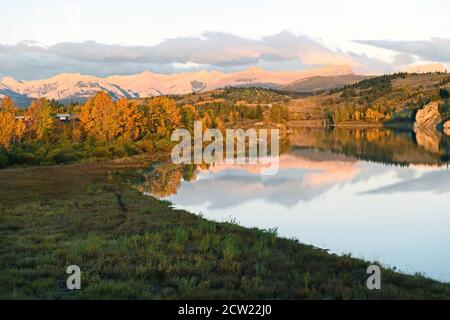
x=133 y=246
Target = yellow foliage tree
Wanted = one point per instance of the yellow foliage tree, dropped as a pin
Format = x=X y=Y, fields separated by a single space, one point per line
x=373 y=115
x=99 y=118
x=20 y=129
x=41 y=120
x=219 y=124
x=207 y=122
x=7 y=122
x=162 y=116
x=130 y=119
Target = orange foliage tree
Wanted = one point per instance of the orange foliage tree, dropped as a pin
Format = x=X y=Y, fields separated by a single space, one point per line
x=104 y=120
x=41 y=122
x=7 y=122
x=99 y=118
x=130 y=119
x=374 y=116
x=161 y=116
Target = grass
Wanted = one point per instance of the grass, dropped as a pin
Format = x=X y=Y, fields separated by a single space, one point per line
x=131 y=246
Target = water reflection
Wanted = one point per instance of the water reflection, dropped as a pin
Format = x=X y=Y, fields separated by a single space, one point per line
x=379 y=144
x=375 y=193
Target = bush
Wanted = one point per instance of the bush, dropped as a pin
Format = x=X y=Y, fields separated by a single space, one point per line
x=41 y=152
x=22 y=157
x=101 y=152
x=145 y=146
x=3 y=159
x=117 y=151
x=62 y=156
x=444 y=109
x=132 y=149
x=164 y=144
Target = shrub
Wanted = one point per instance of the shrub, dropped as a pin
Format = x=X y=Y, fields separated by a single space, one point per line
x=132 y=149
x=163 y=144
x=3 y=159
x=230 y=249
x=145 y=146
x=22 y=157
x=62 y=156
x=117 y=151
x=444 y=109
x=101 y=152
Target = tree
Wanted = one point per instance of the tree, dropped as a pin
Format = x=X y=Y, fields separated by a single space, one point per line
x=129 y=118
x=7 y=122
x=443 y=93
x=99 y=118
x=219 y=124
x=188 y=115
x=41 y=119
x=279 y=113
x=20 y=129
x=374 y=116
x=259 y=113
x=161 y=116
x=8 y=105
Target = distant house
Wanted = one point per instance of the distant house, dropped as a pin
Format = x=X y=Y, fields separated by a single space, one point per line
x=23 y=118
x=64 y=116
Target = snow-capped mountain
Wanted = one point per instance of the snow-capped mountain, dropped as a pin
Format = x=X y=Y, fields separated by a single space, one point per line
x=68 y=87
x=64 y=87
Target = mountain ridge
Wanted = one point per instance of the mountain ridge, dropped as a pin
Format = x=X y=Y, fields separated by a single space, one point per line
x=76 y=87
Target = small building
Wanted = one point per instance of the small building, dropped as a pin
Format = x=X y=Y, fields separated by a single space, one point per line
x=64 y=116
x=23 y=118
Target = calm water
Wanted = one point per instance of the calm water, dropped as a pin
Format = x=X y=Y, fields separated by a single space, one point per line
x=374 y=193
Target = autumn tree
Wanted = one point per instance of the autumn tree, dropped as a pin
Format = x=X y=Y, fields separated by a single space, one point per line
x=259 y=113
x=7 y=122
x=20 y=129
x=161 y=116
x=279 y=113
x=40 y=119
x=129 y=117
x=374 y=116
x=99 y=118
x=219 y=124
x=207 y=122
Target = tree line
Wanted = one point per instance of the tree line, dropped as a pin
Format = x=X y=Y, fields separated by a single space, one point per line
x=107 y=128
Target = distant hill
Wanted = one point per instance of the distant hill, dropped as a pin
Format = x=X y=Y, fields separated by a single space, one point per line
x=322 y=82
x=391 y=99
x=76 y=87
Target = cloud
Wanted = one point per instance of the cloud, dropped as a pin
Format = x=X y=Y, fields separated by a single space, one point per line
x=436 y=49
x=403 y=59
x=28 y=60
x=369 y=65
x=288 y=46
x=31 y=60
x=436 y=181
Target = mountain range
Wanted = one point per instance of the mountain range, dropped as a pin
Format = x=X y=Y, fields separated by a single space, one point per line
x=75 y=87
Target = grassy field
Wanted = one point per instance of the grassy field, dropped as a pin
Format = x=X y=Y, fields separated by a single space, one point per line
x=133 y=246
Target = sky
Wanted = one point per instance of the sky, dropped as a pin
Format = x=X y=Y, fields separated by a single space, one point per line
x=377 y=36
